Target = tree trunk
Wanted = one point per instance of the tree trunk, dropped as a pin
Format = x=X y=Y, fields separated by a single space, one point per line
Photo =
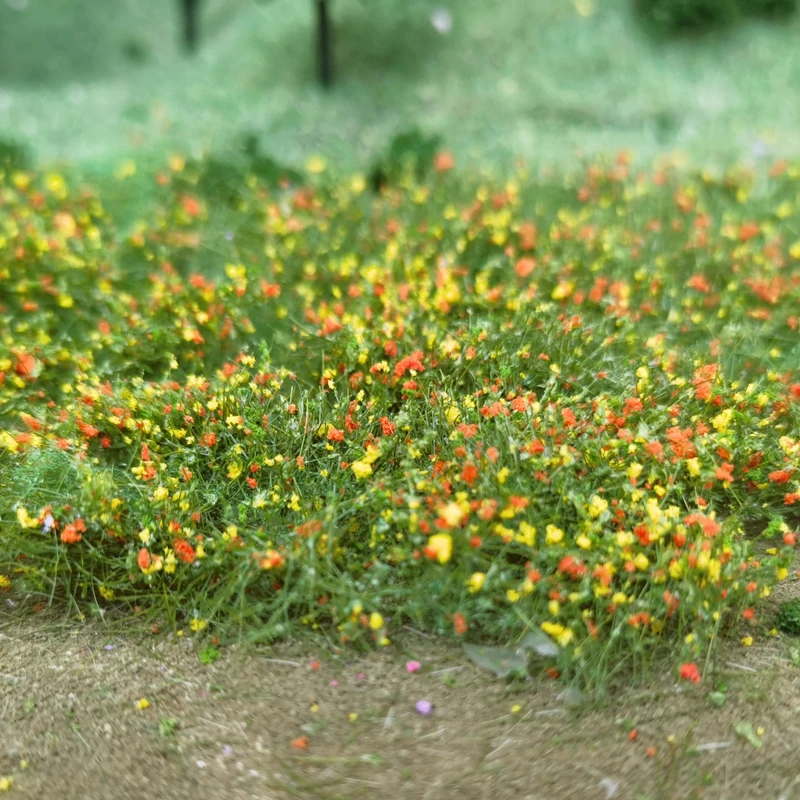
x=324 y=44
x=190 y=23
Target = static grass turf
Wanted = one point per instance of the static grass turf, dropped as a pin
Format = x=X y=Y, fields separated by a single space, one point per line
x=546 y=413
x=88 y=83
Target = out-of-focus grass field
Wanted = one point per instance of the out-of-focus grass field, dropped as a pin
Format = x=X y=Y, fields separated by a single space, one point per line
x=91 y=82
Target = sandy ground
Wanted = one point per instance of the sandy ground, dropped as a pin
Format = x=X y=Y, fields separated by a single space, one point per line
x=68 y=709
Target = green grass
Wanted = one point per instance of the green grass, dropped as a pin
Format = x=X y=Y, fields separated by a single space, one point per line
x=536 y=80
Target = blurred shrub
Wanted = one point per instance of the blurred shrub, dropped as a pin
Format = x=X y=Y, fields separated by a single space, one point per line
x=13 y=156
x=685 y=16
x=768 y=8
x=678 y=16
x=409 y=153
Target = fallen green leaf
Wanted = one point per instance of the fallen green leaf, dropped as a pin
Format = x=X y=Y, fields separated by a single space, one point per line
x=502 y=661
x=537 y=641
x=746 y=731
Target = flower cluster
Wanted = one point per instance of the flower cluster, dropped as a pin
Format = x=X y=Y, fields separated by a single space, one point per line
x=480 y=409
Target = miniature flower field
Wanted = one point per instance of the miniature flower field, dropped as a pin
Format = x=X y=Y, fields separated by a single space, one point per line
x=476 y=407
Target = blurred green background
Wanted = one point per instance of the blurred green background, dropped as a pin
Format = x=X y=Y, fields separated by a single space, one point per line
x=95 y=81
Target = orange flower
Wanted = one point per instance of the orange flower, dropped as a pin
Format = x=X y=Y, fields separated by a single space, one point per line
x=524 y=267
x=25 y=365
x=460 y=624
x=724 y=473
x=70 y=535
x=143 y=559
x=780 y=476
x=300 y=743
x=444 y=161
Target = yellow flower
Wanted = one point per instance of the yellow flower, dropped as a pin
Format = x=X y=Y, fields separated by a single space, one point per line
x=143 y=703
x=512 y=595
x=442 y=545
x=722 y=420
x=560 y=633
x=234 y=470
x=361 y=469
x=375 y=621
x=527 y=534
x=197 y=624
x=8 y=442
x=6 y=783
x=597 y=506
x=641 y=562
x=747 y=641
x=24 y=519
x=316 y=164
x=476 y=581
x=502 y=476
x=453 y=414
x=554 y=535
x=584 y=542
x=515 y=709
x=452 y=514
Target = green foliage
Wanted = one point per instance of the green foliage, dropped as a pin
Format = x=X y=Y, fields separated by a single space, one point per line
x=686 y=16
x=769 y=8
x=208 y=655
x=789 y=616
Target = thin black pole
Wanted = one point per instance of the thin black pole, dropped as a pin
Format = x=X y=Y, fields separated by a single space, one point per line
x=190 y=23
x=324 y=44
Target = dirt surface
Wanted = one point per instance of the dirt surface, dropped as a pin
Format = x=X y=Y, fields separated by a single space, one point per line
x=68 y=708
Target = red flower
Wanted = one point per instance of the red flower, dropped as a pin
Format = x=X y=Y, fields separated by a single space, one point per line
x=689 y=672
x=414 y=361
x=184 y=550
x=469 y=474
x=780 y=476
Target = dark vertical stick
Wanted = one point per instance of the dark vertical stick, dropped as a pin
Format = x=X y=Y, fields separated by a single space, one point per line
x=190 y=23
x=324 y=45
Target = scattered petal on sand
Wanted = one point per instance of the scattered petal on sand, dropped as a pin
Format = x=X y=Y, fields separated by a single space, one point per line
x=413 y=666
x=424 y=707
